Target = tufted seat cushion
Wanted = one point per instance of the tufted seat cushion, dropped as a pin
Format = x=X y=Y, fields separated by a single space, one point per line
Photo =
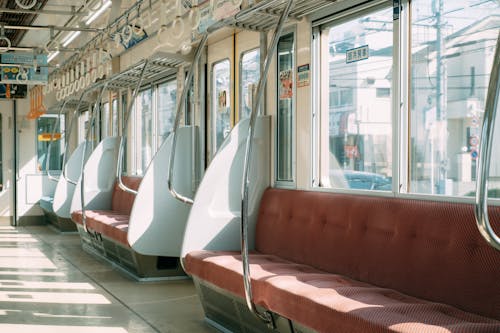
x=388 y=248
x=329 y=302
x=112 y=223
x=109 y=223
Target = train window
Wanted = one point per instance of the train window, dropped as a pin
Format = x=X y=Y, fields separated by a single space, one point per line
x=250 y=73
x=114 y=117
x=143 y=114
x=285 y=117
x=105 y=120
x=221 y=102
x=44 y=132
x=355 y=145
x=166 y=109
x=452 y=47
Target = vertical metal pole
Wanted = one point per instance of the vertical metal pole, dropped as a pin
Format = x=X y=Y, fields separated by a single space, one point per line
x=247 y=280
x=485 y=148
x=180 y=105
x=15 y=166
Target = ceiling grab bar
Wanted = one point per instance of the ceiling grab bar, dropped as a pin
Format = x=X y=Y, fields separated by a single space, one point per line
x=85 y=147
x=483 y=162
x=51 y=140
x=180 y=105
x=66 y=138
x=247 y=280
x=125 y=130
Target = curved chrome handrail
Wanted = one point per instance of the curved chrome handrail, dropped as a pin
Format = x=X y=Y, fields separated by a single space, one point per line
x=180 y=106
x=124 y=133
x=483 y=162
x=87 y=139
x=67 y=136
x=49 y=148
x=247 y=280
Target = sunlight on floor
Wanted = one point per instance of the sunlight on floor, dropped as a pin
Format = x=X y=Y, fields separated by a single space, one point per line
x=15 y=284
x=52 y=297
x=21 y=328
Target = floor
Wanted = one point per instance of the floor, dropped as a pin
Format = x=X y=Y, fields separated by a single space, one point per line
x=49 y=284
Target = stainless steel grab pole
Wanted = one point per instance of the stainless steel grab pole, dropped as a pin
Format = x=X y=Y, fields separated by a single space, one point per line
x=87 y=139
x=124 y=132
x=66 y=138
x=264 y=316
x=485 y=146
x=180 y=106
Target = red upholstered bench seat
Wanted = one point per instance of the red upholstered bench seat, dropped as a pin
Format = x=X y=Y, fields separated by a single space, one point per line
x=112 y=223
x=345 y=263
x=329 y=302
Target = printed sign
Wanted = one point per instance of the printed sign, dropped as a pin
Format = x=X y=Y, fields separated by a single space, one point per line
x=222 y=9
x=303 y=78
x=222 y=101
x=357 y=54
x=286 y=84
x=38 y=75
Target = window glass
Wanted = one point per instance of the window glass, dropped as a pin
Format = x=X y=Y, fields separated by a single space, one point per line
x=285 y=117
x=452 y=52
x=221 y=102
x=44 y=132
x=250 y=73
x=105 y=120
x=356 y=128
x=143 y=129
x=166 y=109
x=114 y=112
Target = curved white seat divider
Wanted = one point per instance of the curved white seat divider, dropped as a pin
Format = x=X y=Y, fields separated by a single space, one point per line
x=64 y=190
x=157 y=220
x=100 y=170
x=214 y=220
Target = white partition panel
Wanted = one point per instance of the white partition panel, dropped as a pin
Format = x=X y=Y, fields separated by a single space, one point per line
x=158 y=220
x=100 y=175
x=214 y=220
x=65 y=190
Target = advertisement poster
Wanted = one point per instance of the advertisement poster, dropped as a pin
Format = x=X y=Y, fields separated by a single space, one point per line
x=222 y=101
x=286 y=84
x=303 y=76
x=10 y=91
x=138 y=35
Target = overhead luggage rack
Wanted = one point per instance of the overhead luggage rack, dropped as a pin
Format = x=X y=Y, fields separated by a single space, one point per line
x=70 y=105
x=159 y=65
x=264 y=15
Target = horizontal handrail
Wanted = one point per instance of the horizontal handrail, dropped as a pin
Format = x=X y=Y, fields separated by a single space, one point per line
x=247 y=280
x=483 y=162
x=180 y=106
x=124 y=133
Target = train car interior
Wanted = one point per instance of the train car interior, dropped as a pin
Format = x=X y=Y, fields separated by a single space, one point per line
x=291 y=166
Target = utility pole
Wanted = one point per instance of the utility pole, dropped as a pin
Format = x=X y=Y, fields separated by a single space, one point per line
x=441 y=98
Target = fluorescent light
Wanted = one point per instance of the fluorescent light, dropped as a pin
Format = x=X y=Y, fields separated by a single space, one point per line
x=71 y=37
x=52 y=56
x=99 y=12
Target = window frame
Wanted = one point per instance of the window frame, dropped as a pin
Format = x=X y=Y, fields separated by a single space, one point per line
x=292 y=29
x=401 y=99
x=213 y=111
x=240 y=69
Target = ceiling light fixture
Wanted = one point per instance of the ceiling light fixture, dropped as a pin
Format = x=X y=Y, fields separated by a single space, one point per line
x=71 y=37
x=52 y=56
x=99 y=12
